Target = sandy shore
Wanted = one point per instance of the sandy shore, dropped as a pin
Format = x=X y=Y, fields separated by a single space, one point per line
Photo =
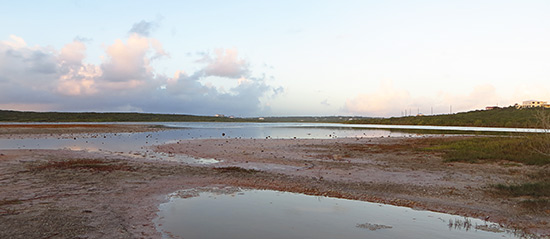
x=68 y=194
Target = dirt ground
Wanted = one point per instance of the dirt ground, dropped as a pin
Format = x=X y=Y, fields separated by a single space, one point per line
x=77 y=194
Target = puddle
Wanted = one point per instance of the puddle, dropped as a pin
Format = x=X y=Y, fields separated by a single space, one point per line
x=235 y=213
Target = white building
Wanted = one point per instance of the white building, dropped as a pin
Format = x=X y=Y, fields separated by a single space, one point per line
x=535 y=103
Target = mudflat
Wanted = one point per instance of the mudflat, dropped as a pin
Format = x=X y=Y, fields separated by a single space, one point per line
x=68 y=194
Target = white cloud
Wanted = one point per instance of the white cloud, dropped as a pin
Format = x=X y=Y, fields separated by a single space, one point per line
x=73 y=53
x=128 y=62
x=16 y=42
x=389 y=100
x=386 y=101
x=78 y=79
x=226 y=63
x=41 y=78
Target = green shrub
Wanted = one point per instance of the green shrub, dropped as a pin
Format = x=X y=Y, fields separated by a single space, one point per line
x=479 y=149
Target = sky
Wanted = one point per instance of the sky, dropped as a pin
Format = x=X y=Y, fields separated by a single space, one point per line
x=273 y=58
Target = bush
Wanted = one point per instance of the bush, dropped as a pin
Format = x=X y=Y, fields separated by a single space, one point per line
x=540 y=142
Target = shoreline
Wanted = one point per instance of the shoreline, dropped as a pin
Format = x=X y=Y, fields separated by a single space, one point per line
x=108 y=195
x=381 y=170
x=50 y=130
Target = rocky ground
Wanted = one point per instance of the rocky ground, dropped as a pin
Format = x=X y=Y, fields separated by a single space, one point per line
x=77 y=194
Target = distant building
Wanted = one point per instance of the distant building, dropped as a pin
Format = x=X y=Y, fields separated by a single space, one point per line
x=491 y=107
x=535 y=103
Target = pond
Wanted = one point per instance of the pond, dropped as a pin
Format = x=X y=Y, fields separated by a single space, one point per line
x=235 y=213
x=130 y=143
x=139 y=144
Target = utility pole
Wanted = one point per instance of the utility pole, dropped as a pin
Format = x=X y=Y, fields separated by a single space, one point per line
x=451 y=109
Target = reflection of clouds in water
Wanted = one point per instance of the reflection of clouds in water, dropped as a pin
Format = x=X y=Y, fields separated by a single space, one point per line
x=273 y=214
x=320 y=209
x=141 y=142
x=82 y=148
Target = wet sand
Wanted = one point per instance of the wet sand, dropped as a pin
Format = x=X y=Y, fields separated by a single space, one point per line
x=68 y=194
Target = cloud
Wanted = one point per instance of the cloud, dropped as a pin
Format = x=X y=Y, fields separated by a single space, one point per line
x=389 y=100
x=73 y=53
x=41 y=78
x=189 y=93
x=478 y=98
x=143 y=28
x=77 y=78
x=277 y=91
x=83 y=39
x=225 y=64
x=128 y=62
x=23 y=67
x=16 y=42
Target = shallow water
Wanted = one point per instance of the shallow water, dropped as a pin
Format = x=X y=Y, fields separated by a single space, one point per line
x=130 y=143
x=232 y=213
x=139 y=144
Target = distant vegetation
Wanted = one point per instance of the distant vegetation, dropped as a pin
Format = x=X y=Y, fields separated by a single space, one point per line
x=313 y=119
x=18 y=116
x=502 y=117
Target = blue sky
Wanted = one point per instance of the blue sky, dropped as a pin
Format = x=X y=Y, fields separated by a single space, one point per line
x=252 y=58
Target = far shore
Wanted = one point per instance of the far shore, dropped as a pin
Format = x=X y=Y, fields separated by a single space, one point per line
x=68 y=194
x=73 y=128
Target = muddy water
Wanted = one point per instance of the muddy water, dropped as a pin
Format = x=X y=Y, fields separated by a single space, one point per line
x=233 y=213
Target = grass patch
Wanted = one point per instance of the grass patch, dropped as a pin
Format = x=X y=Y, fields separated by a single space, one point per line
x=479 y=149
x=87 y=164
x=233 y=169
x=536 y=189
x=6 y=203
x=10 y=202
x=535 y=195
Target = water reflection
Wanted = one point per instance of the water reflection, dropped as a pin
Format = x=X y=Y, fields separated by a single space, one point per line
x=139 y=144
x=132 y=142
x=232 y=213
